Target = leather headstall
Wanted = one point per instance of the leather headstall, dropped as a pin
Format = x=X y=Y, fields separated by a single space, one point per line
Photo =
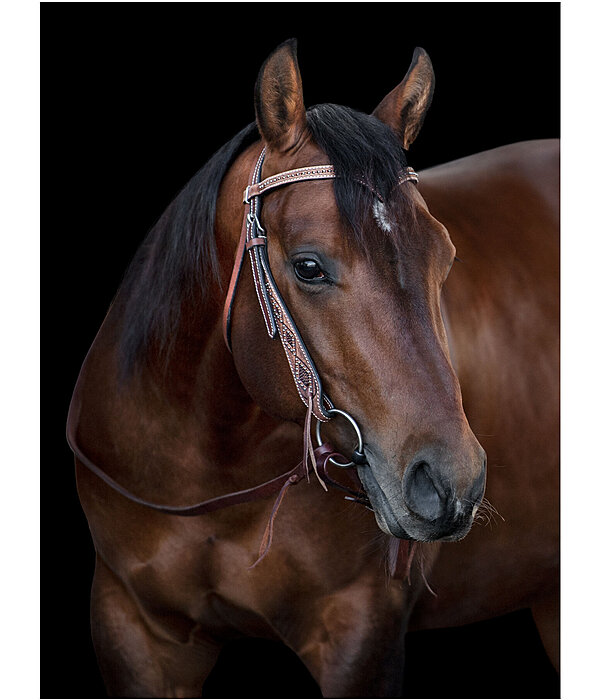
x=278 y=319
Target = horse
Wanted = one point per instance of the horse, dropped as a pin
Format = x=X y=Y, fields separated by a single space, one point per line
x=399 y=304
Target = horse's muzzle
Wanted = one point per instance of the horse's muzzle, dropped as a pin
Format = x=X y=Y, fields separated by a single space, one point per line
x=426 y=504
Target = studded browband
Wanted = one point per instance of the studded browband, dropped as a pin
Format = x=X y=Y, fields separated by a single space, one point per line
x=278 y=319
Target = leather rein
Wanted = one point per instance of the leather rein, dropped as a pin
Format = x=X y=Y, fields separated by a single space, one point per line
x=279 y=322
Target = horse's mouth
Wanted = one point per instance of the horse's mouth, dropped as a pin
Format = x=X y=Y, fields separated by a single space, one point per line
x=395 y=519
x=384 y=514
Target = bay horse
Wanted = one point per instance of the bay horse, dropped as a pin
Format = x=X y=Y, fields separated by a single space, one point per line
x=329 y=331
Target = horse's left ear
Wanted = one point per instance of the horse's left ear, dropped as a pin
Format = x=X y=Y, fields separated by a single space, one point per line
x=404 y=108
x=278 y=99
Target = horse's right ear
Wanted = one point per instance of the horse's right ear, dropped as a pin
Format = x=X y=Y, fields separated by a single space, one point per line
x=278 y=99
x=404 y=108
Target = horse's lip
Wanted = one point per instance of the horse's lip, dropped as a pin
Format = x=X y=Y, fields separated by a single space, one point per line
x=386 y=519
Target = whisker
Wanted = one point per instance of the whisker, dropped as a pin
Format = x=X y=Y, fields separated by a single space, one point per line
x=486 y=513
x=492 y=509
x=422 y=568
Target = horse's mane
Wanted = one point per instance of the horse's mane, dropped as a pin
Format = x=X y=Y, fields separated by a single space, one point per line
x=178 y=258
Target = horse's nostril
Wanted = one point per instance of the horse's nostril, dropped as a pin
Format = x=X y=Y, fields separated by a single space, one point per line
x=421 y=494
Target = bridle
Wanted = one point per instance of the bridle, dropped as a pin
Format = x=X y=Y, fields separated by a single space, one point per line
x=279 y=322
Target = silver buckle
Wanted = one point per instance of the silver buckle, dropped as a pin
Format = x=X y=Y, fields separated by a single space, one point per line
x=253 y=220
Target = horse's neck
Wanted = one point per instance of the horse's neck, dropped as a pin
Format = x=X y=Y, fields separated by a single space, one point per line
x=182 y=432
x=169 y=430
x=192 y=416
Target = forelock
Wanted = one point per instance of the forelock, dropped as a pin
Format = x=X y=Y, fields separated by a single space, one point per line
x=368 y=159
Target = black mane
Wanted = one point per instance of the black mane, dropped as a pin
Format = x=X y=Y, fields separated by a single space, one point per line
x=180 y=253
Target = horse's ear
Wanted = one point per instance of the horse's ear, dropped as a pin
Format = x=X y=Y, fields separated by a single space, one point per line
x=404 y=108
x=278 y=99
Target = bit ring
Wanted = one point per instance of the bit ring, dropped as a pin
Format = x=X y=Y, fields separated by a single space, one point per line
x=358 y=452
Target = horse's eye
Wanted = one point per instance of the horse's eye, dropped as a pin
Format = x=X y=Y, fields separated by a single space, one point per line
x=308 y=270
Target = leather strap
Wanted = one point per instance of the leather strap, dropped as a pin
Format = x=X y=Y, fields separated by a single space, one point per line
x=254 y=493
x=312 y=172
x=239 y=260
x=305 y=375
x=400 y=552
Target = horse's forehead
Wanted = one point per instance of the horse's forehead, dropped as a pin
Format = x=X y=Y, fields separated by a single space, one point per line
x=305 y=208
x=307 y=212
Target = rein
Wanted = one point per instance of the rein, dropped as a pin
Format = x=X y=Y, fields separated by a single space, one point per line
x=278 y=321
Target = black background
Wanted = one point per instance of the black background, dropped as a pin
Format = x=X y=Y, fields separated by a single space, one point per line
x=135 y=98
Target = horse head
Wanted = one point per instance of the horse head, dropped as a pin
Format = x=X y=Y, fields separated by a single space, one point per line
x=360 y=262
